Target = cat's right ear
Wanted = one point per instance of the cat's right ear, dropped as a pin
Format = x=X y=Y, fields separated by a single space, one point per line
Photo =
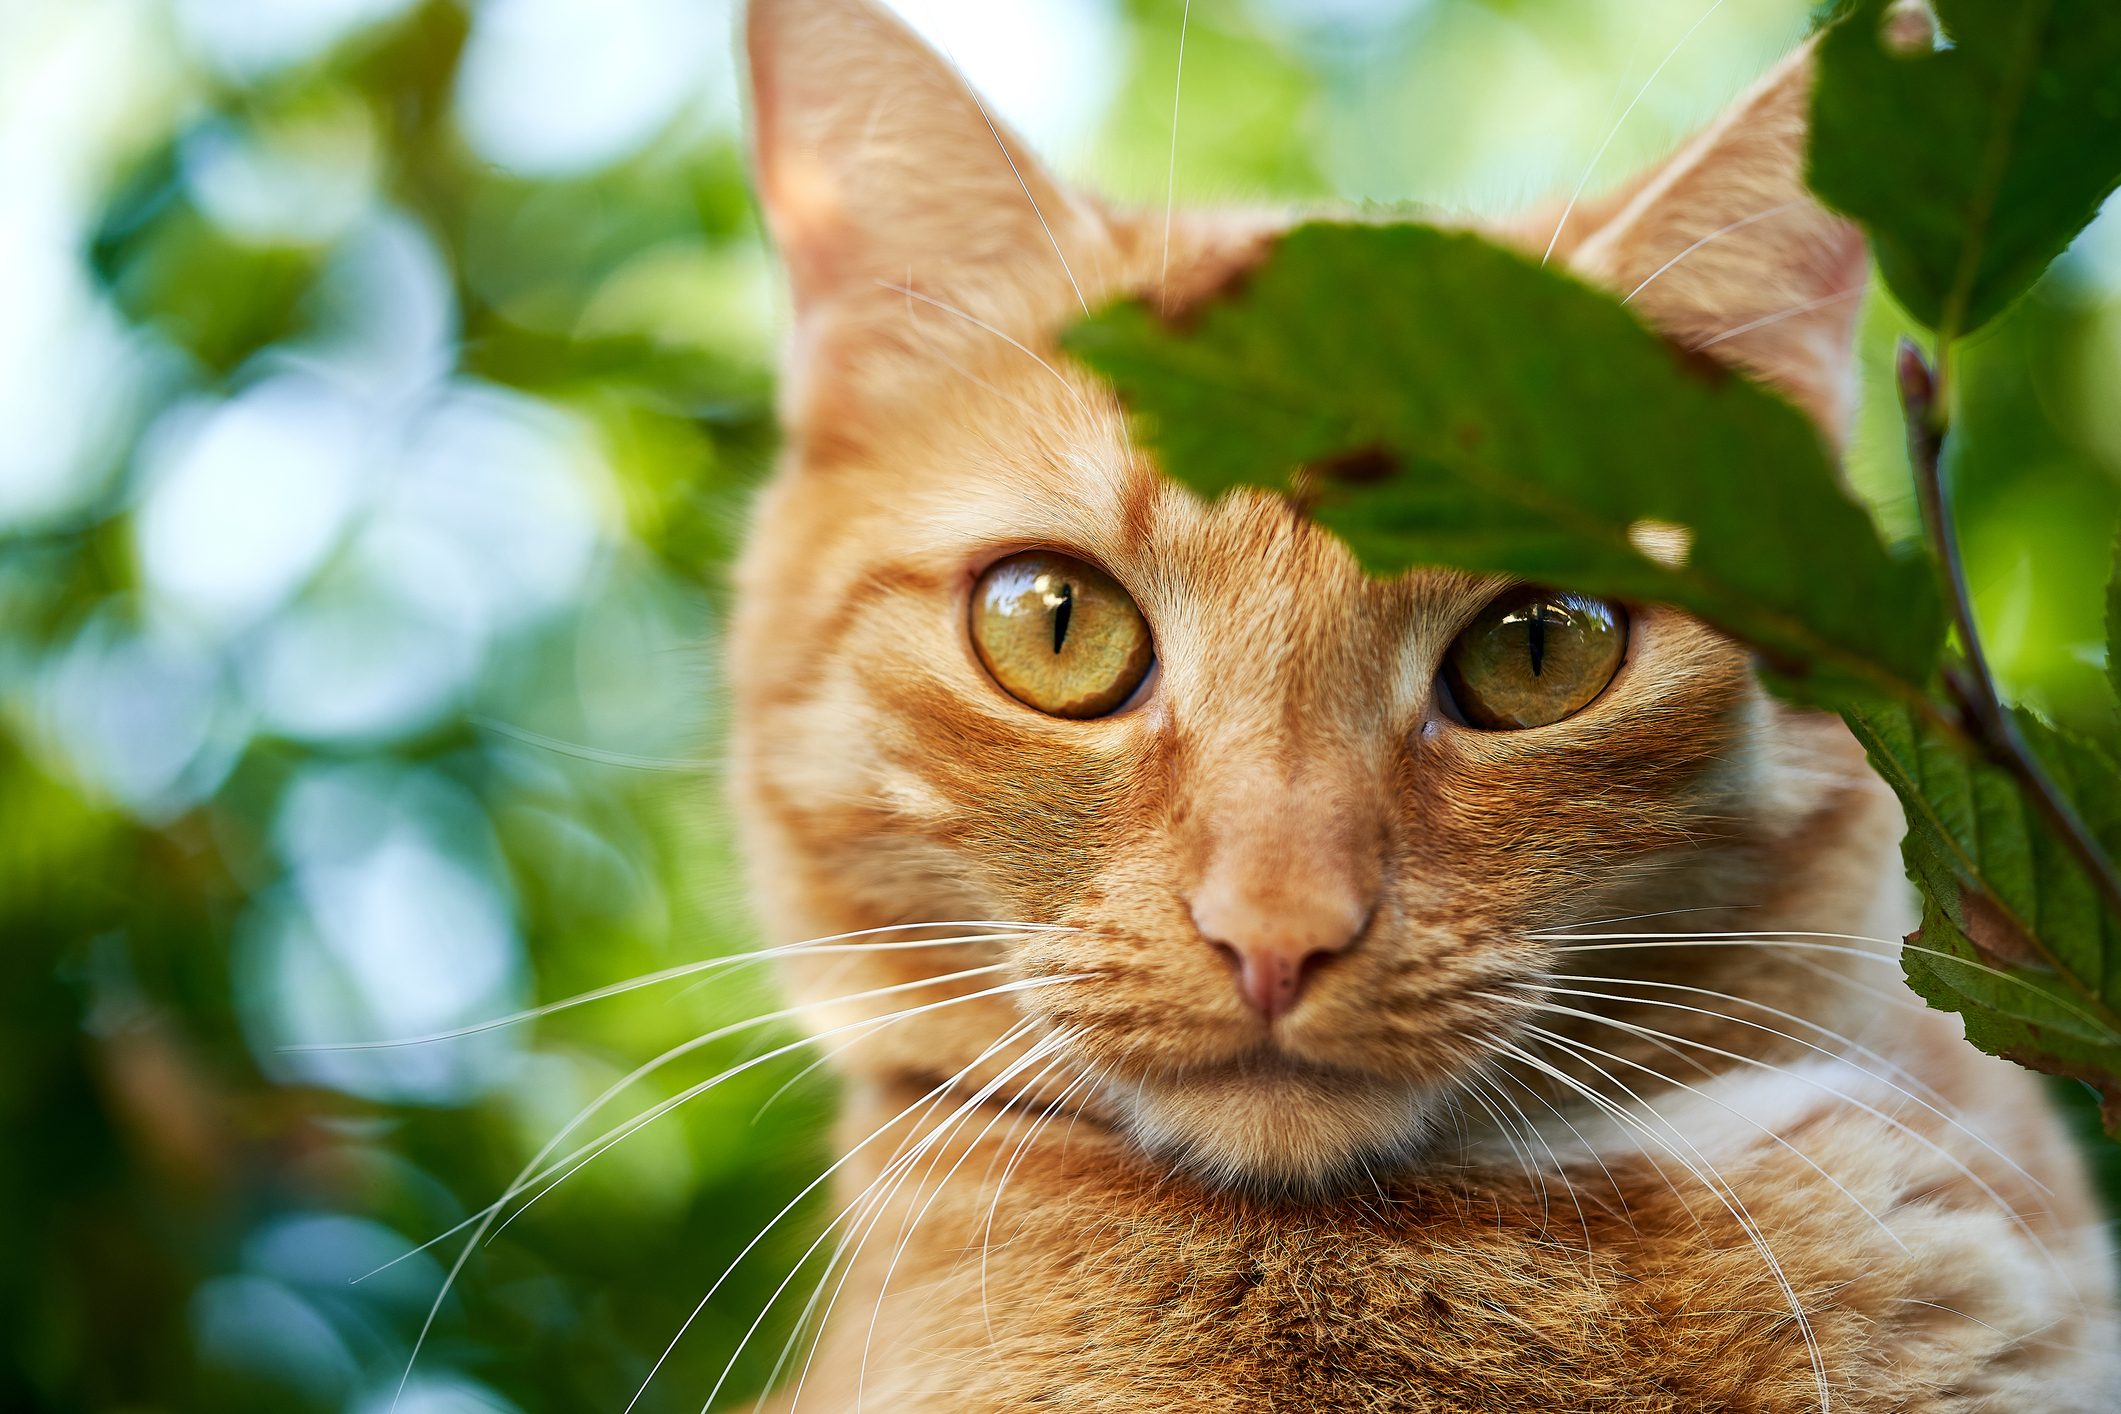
x=1724 y=248
x=879 y=169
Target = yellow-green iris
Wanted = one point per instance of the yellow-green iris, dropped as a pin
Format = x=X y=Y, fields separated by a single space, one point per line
x=1533 y=657
x=1059 y=635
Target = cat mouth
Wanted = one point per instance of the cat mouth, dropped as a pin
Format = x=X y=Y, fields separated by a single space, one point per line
x=1275 y=1124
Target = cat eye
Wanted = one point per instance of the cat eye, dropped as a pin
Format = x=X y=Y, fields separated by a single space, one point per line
x=1533 y=657
x=1059 y=635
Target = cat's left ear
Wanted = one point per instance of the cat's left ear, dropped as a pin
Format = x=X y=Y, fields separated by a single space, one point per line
x=878 y=166
x=1724 y=249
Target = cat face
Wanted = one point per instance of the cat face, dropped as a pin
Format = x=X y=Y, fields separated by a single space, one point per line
x=1269 y=858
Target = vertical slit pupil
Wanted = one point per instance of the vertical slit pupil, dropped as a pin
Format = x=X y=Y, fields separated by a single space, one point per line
x=1538 y=630
x=1063 y=610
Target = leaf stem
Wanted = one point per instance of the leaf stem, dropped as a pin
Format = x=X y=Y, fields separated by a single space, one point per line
x=1987 y=721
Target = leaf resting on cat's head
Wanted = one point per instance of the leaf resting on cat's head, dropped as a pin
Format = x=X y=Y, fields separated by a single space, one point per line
x=1533 y=425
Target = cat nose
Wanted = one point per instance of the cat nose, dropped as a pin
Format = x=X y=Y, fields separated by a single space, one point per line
x=1277 y=942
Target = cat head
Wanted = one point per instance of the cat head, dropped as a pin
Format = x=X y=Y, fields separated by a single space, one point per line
x=1263 y=847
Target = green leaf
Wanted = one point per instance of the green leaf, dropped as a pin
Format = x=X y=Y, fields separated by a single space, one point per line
x=2023 y=1016
x=1536 y=429
x=1973 y=162
x=2014 y=936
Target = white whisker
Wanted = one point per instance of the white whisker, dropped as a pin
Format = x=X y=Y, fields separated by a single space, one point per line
x=899 y=1155
x=1899 y=997
x=1806 y=1159
x=1853 y=1048
x=872 y=1215
x=1045 y=1050
x=1619 y=123
x=1037 y=1127
x=597 y=754
x=811 y=1067
x=1721 y=231
x=1560 y=1171
x=528 y=1176
x=1178 y=81
x=1799 y=940
x=1017 y=172
x=1742 y=935
x=1589 y=1148
x=525 y=1177
x=928 y=1099
x=1893 y=1122
x=664 y=1107
x=1708 y=1177
x=836 y=943
x=1479 y=1097
x=1806 y=307
x=936 y=351
x=978 y=323
x=1639 y=917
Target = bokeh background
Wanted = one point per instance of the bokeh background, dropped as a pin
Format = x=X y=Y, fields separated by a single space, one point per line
x=381 y=384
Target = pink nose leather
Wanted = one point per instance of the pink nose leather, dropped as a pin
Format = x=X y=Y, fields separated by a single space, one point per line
x=1277 y=937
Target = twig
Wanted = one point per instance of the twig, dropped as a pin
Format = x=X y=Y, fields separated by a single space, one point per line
x=1988 y=722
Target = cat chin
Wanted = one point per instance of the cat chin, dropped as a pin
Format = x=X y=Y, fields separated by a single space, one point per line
x=1280 y=1131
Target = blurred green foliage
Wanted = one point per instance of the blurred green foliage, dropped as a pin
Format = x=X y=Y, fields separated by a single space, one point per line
x=371 y=482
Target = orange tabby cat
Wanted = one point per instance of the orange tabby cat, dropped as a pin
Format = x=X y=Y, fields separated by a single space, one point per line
x=1424 y=994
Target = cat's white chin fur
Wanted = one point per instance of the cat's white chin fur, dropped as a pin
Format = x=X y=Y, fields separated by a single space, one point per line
x=1279 y=1128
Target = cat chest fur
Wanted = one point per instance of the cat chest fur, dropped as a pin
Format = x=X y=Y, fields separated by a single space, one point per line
x=1094 y=1282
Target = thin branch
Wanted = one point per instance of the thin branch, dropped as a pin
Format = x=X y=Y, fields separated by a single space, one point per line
x=1988 y=722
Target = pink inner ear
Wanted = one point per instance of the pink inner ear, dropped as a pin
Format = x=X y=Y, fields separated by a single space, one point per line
x=803 y=204
x=877 y=164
